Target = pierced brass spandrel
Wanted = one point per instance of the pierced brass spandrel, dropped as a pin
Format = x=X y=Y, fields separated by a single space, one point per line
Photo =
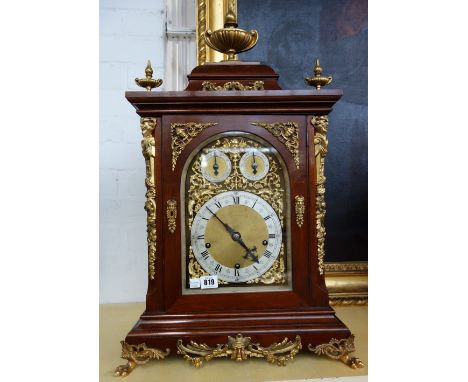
x=287 y=133
x=137 y=355
x=339 y=350
x=182 y=134
x=240 y=348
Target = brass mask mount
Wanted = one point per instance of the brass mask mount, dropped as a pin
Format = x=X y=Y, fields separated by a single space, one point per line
x=149 y=82
x=231 y=40
x=317 y=80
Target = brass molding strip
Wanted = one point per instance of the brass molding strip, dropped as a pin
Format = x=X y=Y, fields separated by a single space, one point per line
x=148 y=125
x=320 y=124
x=137 y=355
x=239 y=349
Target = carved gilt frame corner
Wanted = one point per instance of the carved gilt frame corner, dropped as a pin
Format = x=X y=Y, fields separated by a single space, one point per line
x=346 y=281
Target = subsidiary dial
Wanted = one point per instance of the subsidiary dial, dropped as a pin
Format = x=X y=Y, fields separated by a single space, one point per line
x=254 y=165
x=215 y=166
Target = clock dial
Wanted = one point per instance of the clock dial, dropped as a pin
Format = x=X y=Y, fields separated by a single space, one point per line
x=254 y=165
x=215 y=166
x=237 y=236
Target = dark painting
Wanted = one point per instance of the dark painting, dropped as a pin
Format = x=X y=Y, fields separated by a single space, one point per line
x=292 y=34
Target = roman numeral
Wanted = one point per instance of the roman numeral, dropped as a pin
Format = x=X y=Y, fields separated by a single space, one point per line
x=218 y=204
x=254 y=203
x=236 y=272
x=205 y=218
x=236 y=199
x=218 y=268
x=271 y=236
x=267 y=217
x=200 y=237
x=205 y=255
x=268 y=253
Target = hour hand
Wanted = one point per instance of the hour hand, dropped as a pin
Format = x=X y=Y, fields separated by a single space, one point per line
x=250 y=253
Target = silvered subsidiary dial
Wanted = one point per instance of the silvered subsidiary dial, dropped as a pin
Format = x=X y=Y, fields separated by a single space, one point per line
x=215 y=166
x=236 y=235
x=254 y=165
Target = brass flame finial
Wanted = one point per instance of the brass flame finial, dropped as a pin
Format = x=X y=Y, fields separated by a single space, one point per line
x=149 y=82
x=230 y=40
x=318 y=81
x=231 y=19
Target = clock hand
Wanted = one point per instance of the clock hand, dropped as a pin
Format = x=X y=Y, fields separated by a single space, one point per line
x=215 y=165
x=251 y=253
x=236 y=236
x=254 y=164
x=229 y=229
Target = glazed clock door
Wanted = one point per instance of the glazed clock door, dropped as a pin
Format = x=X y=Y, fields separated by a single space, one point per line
x=234 y=233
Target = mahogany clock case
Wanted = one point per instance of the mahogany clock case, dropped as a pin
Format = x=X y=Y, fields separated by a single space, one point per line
x=267 y=317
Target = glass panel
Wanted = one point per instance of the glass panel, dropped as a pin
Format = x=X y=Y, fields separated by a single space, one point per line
x=236 y=218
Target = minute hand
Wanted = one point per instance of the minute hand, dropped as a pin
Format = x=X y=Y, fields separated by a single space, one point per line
x=229 y=229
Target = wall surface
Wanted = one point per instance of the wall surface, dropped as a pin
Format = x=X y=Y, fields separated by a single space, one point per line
x=131 y=32
x=291 y=36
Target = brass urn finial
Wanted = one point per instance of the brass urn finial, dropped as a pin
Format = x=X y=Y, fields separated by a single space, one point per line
x=318 y=81
x=149 y=82
x=230 y=40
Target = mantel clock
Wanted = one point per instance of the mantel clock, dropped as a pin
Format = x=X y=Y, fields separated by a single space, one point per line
x=235 y=216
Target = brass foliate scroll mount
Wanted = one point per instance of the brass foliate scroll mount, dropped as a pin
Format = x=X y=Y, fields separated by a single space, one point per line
x=149 y=82
x=231 y=40
x=318 y=80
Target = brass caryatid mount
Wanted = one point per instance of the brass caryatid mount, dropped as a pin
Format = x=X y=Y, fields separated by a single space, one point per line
x=149 y=82
x=317 y=80
x=231 y=40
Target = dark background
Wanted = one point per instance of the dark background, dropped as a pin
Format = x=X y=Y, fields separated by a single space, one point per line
x=292 y=34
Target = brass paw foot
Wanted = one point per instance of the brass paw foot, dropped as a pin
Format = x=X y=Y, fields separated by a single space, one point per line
x=239 y=349
x=339 y=349
x=124 y=370
x=137 y=355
